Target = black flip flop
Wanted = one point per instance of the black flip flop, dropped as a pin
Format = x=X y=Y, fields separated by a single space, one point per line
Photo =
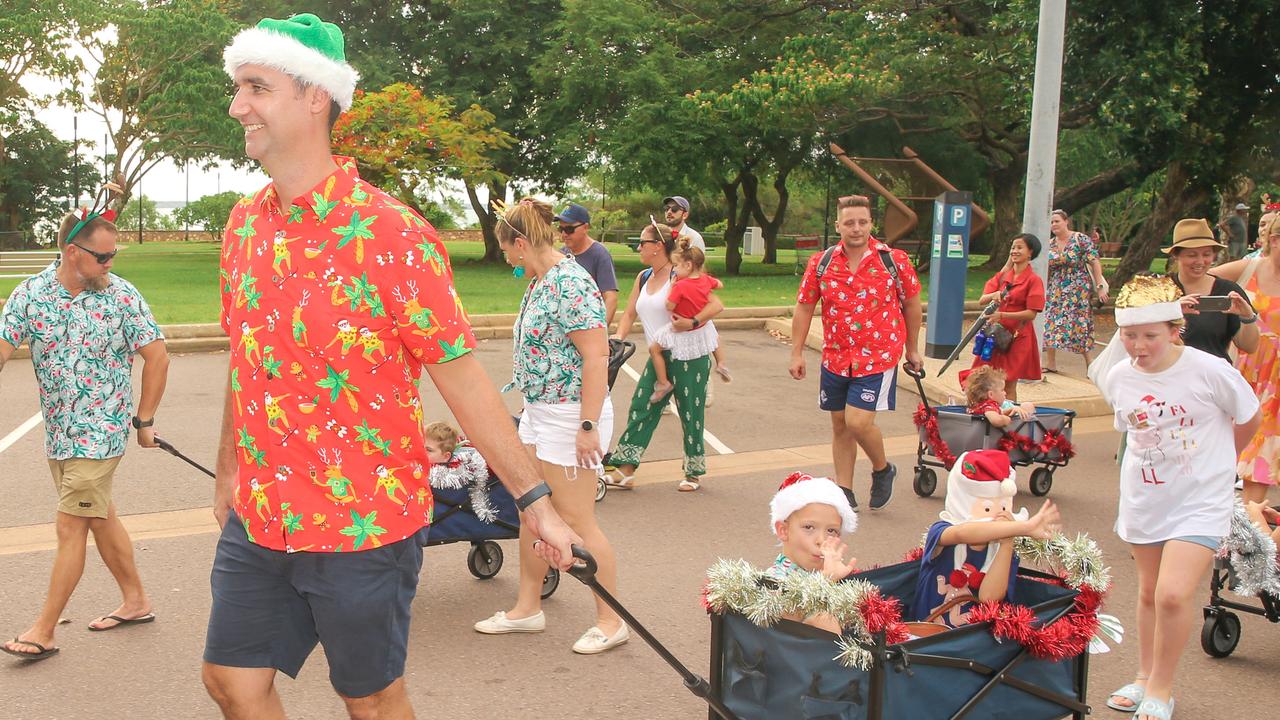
x=44 y=651
x=121 y=622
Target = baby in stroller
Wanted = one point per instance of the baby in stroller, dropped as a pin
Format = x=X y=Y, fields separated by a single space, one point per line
x=984 y=394
x=809 y=516
x=456 y=465
x=968 y=554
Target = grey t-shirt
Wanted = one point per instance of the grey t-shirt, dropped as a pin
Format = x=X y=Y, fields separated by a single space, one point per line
x=599 y=264
x=1238 y=233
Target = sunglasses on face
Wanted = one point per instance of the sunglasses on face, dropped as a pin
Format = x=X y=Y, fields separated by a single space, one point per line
x=672 y=208
x=102 y=258
x=569 y=229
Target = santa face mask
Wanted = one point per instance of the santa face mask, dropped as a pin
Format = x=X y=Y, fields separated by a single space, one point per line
x=981 y=484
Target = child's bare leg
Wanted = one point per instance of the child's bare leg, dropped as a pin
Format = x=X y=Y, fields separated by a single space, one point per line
x=1183 y=567
x=1147 y=558
x=1011 y=390
x=662 y=383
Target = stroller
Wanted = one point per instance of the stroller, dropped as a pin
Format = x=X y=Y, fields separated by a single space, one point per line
x=457 y=520
x=787 y=671
x=1045 y=440
x=1220 y=633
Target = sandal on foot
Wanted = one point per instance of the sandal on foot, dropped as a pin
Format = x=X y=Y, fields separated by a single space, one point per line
x=1153 y=708
x=688 y=485
x=619 y=480
x=724 y=373
x=1133 y=692
x=44 y=651
x=660 y=392
x=121 y=622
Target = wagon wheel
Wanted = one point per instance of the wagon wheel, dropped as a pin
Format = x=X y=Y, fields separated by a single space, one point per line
x=550 y=582
x=1041 y=481
x=485 y=559
x=926 y=482
x=1220 y=634
x=601 y=488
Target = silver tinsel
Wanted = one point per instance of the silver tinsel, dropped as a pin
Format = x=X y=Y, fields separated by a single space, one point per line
x=470 y=472
x=1079 y=559
x=1253 y=556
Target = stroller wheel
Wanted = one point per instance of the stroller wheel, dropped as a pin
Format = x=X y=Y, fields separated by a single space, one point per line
x=1220 y=634
x=1041 y=481
x=485 y=559
x=601 y=489
x=550 y=582
x=925 y=483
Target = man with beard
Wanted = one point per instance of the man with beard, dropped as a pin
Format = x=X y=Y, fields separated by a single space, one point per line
x=84 y=326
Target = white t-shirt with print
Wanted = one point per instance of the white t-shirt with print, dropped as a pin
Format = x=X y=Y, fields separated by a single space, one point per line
x=1178 y=475
x=695 y=237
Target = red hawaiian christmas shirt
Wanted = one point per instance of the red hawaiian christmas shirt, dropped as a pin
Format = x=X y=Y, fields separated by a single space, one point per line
x=863 y=330
x=334 y=303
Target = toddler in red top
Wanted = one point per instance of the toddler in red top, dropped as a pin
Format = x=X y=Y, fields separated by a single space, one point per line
x=689 y=294
x=985 y=396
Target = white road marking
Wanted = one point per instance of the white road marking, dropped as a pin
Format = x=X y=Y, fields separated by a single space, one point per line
x=23 y=429
x=707 y=437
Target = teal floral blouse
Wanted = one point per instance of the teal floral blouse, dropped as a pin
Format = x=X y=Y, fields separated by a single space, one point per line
x=82 y=349
x=547 y=367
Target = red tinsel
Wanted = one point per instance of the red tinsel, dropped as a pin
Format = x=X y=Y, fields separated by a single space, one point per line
x=1065 y=638
x=884 y=614
x=1053 y=440
x=914 y=554
x=927 y=418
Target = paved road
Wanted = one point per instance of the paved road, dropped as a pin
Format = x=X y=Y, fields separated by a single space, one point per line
x=665 y=541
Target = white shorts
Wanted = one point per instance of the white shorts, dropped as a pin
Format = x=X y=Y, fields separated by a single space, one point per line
x=552 y=430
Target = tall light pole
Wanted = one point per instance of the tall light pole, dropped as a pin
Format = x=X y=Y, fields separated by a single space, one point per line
x=75 y=168
x=1042 y=158
x=186 y=222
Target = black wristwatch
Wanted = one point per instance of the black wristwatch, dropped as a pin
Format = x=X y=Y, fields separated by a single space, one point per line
x=696 y=323
x=139 y=423
x=524 y=501
x=588 y=425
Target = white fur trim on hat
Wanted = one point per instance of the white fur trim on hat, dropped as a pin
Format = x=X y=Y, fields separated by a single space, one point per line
x=1153 y=313
x=256 y=46
x=962 y=492
x=807 y=491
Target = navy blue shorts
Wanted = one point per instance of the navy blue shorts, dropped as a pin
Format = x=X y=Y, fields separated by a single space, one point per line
x=869 y=392
x=270 y=608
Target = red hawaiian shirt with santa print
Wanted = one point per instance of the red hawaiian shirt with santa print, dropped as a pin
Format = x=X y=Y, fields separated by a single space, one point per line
x=863 y=329
x=334 y=302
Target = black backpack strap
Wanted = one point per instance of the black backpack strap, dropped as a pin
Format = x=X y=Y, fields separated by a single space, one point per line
x=886 y=257
x=825 y=260
x=645 y=275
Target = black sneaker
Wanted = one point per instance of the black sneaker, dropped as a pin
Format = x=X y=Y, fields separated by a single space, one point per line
x=848 y=495
x=882 y=486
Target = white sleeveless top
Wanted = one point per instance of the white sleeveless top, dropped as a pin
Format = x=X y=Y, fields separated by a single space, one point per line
x=653 y=313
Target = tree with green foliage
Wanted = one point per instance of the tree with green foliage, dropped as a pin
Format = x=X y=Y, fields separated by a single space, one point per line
x=37 y=171
x=160 y=87
x=208 y=214
x=405 y=140
x=35 y=39
x=152 y=218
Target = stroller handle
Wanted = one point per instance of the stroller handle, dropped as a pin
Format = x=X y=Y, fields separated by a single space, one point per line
x=917 y=374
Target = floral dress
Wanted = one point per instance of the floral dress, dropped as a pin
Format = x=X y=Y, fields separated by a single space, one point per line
x=1068 y=316
x=1260 y=460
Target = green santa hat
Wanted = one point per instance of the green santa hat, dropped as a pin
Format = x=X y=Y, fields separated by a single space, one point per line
x=304 y=46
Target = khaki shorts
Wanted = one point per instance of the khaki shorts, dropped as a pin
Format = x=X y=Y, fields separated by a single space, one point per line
x=84 y=485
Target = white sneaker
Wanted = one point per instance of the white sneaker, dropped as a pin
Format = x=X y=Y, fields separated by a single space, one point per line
x=594 y=641
x=499 y=624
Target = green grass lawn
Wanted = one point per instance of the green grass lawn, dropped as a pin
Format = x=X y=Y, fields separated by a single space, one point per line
x=180 y=280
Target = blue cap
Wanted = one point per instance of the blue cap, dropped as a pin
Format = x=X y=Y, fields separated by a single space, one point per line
x=575 y=214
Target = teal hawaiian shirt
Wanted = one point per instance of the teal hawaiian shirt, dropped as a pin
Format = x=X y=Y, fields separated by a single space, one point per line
x=548 y=366
x=82 y=349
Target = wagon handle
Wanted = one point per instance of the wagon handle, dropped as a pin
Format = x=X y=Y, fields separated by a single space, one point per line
x=167 y=447
x=918 y=376
x=698 y=685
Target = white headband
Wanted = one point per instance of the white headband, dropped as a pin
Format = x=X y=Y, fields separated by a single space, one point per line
x=1153 y=313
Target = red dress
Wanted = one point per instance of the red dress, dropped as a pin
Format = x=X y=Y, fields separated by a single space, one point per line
x=1022 y=360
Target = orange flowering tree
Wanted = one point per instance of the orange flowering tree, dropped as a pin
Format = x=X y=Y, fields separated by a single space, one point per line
x=404 y=139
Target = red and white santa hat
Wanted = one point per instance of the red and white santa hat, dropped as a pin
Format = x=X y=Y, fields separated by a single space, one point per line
x=978 y=474
x=800 y=489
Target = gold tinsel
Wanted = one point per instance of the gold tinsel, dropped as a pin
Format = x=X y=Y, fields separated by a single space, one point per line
x=1145 y=290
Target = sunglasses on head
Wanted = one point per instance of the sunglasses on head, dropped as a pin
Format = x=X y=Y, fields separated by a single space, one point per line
x=569 y=229
x=102 y=258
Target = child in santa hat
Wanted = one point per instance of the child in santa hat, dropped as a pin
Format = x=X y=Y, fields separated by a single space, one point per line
x=809 y=515
x=968 y=554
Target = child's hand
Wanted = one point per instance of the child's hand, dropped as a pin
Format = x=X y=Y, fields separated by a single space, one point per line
x=1026 y=411
x=833 y=565
x=1043 y=524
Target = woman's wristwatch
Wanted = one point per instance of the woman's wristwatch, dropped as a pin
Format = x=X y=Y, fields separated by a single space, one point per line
x=696 y=322
x=588 y=425
x=1249 y=321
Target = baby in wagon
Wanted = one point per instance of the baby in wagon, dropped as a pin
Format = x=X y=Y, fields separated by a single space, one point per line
x=809 y=516
x=985 y=396
x=968 y=554
x=455 y=465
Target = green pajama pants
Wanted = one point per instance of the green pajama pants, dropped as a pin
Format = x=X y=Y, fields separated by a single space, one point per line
x=690 y=378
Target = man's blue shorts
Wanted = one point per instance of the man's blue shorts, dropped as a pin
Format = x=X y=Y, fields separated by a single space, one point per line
x=870 y=392
x=271 y=607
